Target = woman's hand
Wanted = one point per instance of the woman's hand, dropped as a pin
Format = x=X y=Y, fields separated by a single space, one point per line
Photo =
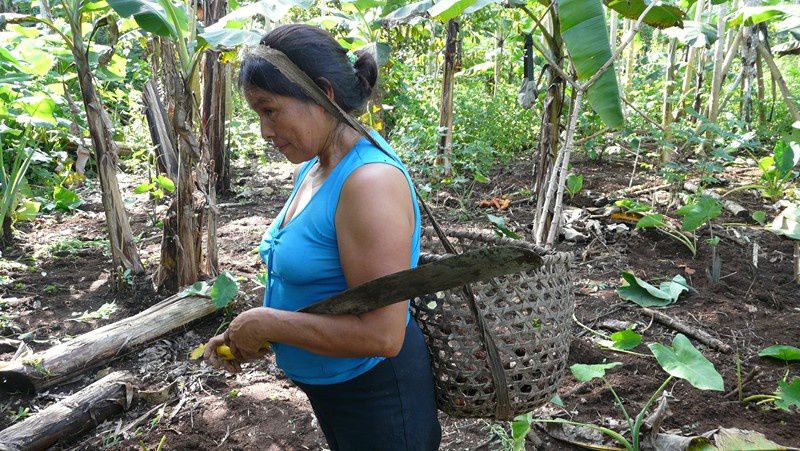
x=245 y=336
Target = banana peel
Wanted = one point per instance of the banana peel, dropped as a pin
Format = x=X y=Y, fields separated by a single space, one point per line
x=223 y=351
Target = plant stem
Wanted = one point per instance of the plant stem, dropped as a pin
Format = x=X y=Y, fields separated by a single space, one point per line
x=739 y=376
x=640 y=418
x=619 y=403
x=760 y=397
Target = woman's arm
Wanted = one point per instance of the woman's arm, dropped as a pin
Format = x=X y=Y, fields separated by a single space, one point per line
x=374 y=226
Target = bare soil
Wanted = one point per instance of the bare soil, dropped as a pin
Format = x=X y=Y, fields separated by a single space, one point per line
x=50 y=281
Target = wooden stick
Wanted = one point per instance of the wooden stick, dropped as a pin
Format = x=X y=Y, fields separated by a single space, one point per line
x=66 y=360
x=71 y=416
x=701 y=335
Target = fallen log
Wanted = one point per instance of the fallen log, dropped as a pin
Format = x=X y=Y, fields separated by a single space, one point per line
x=734 y=208
x=66 y=360
x=72 y=416
x=700 y=335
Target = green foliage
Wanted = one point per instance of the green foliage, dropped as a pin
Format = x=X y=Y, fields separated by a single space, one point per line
x=583 y=28
x=224 y=290
x=788 y=394
x=500 y=224
x=782 y=352
x=699 y=212
x=661 y=16
x=646 y=295
x=585 y=373
x=519 y=430
x=684 y=361
x=65 y=199
x=625 y=339
x=574 y=184
x=777 y=170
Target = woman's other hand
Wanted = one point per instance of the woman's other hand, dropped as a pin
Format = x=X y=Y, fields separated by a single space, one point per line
x=212 y=358
x=245 y=337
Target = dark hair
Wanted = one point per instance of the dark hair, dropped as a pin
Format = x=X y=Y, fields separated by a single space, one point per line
x=317 y=54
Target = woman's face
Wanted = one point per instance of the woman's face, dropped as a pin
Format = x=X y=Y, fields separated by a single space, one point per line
x=298 y=129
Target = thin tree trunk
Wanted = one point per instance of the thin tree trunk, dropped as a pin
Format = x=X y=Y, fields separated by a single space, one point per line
x=691 y=64
x=498 y=61
x=776 y=75
x=213 y=111
x=550 y=128
x=719 y=59
x=666 y=108
x=124 y=255
x=749 y=55
x=445 y=143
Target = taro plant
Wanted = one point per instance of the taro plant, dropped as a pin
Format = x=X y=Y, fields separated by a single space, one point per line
x=777 y=171
x=788 y=393
x=681 y=360
x=700 y=211
x=787 y=224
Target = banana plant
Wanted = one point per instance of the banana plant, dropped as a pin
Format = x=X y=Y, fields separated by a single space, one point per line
x=79 y=15
x=182 y=251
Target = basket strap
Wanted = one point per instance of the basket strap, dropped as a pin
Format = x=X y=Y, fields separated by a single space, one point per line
x=311 y=89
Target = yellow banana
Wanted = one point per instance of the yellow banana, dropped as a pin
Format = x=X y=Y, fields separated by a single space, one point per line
x=222 y=350
x=225 y=352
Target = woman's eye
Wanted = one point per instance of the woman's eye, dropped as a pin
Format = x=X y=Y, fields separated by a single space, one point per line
x=268 y=112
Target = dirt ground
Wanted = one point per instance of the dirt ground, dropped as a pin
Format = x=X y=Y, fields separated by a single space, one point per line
x=58 y=269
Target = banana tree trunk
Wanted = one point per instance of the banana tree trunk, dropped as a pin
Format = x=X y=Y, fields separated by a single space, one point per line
x=550 y=128
x=445 y=144
x=666 y=104
x=612 y=34
x=181 y=243
x=213 y=112
x=124 y=255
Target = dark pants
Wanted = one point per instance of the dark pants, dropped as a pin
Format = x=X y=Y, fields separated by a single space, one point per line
x=390 y=407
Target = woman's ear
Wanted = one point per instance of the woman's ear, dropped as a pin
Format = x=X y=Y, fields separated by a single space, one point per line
x=326 y=87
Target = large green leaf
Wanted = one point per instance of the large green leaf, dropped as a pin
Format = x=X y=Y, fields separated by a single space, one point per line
x=783 y=352
x=684 y=361
x=789 y=394
x=228 y=38
x=445 y=10
x=663 y=16
x=223 y=290
x=646 y=295
x=584 y=373
x=148 y=14
x=583 y=27
x=694 y=34
x=751 y=15
x=407 y=13
x=699 y=212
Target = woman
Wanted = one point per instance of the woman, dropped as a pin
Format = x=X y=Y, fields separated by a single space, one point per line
x=351 y=218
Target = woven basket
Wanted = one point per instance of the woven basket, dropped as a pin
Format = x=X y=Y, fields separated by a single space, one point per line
x=528 y=318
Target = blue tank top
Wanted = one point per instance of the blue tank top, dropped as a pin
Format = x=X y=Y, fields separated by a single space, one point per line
x=303 y=262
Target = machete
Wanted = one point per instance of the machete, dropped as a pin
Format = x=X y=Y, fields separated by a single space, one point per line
x=442 y=274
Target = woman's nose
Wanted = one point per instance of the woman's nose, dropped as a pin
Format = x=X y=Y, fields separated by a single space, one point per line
x=266 y=131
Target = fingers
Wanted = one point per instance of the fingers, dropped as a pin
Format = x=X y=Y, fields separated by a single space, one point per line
x=215 y=360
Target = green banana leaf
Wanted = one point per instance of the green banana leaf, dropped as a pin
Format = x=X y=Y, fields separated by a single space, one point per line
x=663 y=16
x=583 y=27
x=148 y=14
